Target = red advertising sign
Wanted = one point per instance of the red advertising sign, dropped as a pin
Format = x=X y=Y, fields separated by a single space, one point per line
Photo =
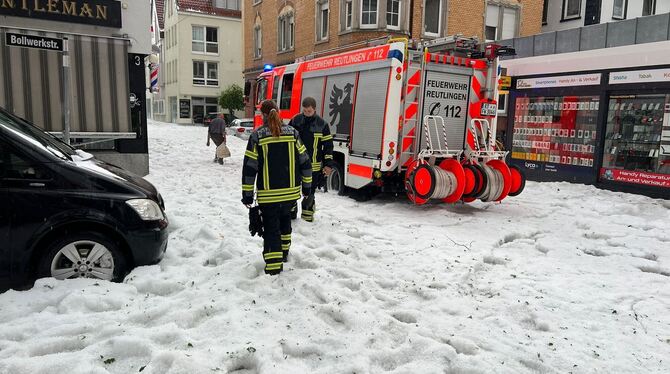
x=346 y=59
x=637 y=177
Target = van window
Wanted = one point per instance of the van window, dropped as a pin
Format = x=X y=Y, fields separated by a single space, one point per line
x=15 y=166
x=35 y=135
x=286 y=91
x=261 y=90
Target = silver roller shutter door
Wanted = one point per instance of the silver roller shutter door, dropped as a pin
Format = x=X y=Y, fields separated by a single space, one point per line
x=313 y=87
x=31 y=83
x=369 y=113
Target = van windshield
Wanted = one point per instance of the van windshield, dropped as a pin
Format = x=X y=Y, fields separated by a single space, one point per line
x=35 y=135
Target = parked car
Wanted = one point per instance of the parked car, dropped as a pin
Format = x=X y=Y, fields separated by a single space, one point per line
x=64 y=214
x=241 y=128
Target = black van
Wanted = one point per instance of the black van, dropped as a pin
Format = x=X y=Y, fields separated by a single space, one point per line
x=65 y=214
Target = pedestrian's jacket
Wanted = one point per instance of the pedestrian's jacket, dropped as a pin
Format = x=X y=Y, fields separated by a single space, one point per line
x=278 y=165
x=315 y=135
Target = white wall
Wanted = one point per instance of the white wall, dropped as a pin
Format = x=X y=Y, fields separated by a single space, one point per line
x=634 y=10
x=230 y=57
x=135 y=19
x=641 y=55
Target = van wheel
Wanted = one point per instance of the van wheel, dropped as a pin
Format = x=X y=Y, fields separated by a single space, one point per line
x=335 y=181
x=85 y=254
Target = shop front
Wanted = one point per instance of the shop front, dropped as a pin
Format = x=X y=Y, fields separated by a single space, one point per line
x=610 y=128
x=77 y=70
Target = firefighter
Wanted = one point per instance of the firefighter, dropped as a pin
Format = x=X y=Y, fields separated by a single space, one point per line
x=315 y=135
x=277 y=161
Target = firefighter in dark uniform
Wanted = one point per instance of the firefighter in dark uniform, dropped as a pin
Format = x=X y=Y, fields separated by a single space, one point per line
x=315 y=135
x=278 y=163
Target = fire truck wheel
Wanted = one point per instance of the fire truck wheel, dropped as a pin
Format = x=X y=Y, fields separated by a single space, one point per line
x=335 y=181
x=454 y=167
x=503 y=169
x=518 y=180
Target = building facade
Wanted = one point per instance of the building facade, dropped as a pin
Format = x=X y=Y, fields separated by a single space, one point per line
x=201 y=55
x=592 y=105
x=279 y=32
x=568 y=14
x=101 y=83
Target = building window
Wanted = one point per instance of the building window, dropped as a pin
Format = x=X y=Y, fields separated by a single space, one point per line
x=545 y=11
x=648 y=7
x=393 y=14
x=432 y=17
x=227 y=4
x=322 y=16
x=348 y=14
x=369 y=10
x=286 y=31
x=501 y=22
x=572 y=9
x=205 y=39
x=211 y=78
x=258 y=41
x=619 y=10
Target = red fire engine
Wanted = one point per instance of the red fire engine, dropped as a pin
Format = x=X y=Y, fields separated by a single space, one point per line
x=410 y=116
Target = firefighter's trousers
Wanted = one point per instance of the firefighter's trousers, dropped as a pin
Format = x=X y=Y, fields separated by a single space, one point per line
x=308 y=202
x=276 y=235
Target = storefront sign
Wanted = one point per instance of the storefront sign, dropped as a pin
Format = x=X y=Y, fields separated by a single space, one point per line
x=91 y=12
x=636 y=177
x=34 y=41
x=640 y=76
x=184 y=108
x=560 y=81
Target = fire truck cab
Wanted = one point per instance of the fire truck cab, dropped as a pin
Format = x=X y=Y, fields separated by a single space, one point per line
x=404 y=118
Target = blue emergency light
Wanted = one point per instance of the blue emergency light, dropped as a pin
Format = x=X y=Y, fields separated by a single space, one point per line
x=268 y=67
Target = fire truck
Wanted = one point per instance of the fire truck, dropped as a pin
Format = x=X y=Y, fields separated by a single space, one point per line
x=416 y=117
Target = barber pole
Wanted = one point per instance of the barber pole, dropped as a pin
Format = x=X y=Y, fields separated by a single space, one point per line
x=154 y=77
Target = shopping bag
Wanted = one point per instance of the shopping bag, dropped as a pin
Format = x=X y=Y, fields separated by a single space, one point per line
x=222 y=151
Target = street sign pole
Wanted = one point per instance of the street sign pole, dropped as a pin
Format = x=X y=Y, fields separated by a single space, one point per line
x=66 y=90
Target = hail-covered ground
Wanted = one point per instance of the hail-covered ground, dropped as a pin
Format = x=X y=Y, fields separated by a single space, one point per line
x=562 y=279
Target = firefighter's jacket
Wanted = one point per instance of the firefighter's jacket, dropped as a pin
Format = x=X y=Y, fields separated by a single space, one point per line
x=278 y=165
x=315 y=135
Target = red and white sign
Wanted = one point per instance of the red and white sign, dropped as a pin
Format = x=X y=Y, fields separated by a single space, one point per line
x=351 y=58
x=637 y=177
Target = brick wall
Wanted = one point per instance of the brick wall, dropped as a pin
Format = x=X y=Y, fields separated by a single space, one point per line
x=464 y=16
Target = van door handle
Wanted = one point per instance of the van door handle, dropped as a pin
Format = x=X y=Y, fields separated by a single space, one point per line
x=36 y=184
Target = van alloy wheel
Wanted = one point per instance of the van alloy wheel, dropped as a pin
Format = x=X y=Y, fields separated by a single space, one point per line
x=83 y=259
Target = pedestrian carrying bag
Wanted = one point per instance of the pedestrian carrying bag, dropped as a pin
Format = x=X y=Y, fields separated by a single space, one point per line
x=222 y=151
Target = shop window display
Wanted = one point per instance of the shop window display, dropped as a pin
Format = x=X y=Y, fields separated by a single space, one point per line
x=559 y=130
x=637 y=141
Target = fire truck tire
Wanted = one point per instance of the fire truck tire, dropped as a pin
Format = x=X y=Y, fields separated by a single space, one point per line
x=335 y=181
x=410 y=175
x=503 y=169
x=454 y=167
x=518 y=180
x=483 y=181
x=471 y=180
